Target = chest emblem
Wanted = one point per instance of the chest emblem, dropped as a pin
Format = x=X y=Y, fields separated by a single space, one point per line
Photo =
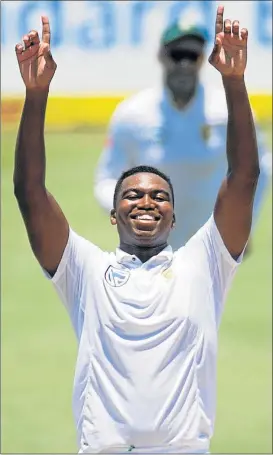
x=116 y=277
x=205 y=132
x=168 y=273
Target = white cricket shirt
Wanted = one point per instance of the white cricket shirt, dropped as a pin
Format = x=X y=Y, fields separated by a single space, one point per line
x=147 y=332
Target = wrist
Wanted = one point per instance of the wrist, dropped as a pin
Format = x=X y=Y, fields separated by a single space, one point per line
x=37 y=94
x=233 y=80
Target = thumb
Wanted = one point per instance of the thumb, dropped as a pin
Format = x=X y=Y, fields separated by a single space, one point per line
x=214 y=56
x=50 y=63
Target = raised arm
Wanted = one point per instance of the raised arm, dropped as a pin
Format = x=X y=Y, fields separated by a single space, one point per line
x=46 y=225
x=234 y=205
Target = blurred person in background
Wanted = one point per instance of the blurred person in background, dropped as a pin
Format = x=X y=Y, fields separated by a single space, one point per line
x=179 y=127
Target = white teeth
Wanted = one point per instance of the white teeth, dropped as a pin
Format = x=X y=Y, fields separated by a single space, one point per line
x=145 y=217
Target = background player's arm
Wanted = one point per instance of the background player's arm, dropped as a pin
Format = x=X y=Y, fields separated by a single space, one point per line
x=46 y=225
x=234 y=205
x=116 y=157
x=265 y=159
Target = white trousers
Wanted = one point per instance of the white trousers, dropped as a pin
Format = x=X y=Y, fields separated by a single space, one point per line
x=143 y=450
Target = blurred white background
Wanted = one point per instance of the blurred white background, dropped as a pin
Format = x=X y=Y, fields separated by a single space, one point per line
x=110 y=46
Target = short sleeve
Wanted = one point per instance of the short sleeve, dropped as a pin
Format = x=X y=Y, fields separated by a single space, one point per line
x=207 y=248
x=79 y=260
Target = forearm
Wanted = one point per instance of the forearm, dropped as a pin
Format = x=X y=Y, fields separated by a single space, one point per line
x=242 y=150
x=29 y=169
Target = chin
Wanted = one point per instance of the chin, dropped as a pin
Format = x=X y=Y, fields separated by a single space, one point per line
x=146 y=243
x=146 y=238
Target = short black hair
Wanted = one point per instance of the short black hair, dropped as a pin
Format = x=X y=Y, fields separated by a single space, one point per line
x=138 y=170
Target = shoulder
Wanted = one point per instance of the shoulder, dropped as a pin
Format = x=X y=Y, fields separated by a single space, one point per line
x=198 y=246
x=207 y=246
x=83 y=251
x=80 y=258
x=138 y=108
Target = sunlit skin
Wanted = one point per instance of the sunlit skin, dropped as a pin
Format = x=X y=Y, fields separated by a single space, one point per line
x=144 y=215
x=47 y=226
x=144 y=212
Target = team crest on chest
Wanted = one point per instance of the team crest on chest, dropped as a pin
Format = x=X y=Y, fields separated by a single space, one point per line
x=168 y=273
x=116 y=277
x=205 y=132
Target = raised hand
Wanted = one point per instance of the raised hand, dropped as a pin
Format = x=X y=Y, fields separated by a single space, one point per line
x=229 y=55
x=35 y=61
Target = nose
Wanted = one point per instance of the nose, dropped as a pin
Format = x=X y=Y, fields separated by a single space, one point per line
x=186 y=62
x=186 y=65
x=146 y=202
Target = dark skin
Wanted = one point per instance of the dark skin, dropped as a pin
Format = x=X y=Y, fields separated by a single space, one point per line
x=144 y=215
x=181 y=61
x=46 y=224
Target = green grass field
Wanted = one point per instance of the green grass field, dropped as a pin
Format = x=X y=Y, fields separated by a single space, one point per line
x=38 y=344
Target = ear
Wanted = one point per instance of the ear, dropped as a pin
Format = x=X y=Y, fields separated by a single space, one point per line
x=113 y=219
x=173 y=222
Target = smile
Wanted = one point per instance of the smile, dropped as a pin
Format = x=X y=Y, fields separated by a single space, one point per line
x=144 y=216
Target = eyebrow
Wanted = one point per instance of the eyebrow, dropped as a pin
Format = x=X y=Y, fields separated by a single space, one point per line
x=159 y=190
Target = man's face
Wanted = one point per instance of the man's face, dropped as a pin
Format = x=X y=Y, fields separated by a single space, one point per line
x=182 y=60
x=144 y=211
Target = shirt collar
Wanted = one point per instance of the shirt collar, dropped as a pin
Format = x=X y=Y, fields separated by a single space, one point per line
x=124 y=258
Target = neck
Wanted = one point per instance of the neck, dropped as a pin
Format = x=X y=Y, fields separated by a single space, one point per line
x=181 y=100
x=143 y=253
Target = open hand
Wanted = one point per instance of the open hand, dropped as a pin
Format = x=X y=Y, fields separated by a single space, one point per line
x=35 y=61
x=229 y=55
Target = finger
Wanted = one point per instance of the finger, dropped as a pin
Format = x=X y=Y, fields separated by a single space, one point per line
x=214 y=56
x=34 y=37
x=50 y=63
x=235 y=28
x=227 y=27
x=19 y=49
x=46 y=30
x=244 y=34
x=26 y=41
x=219 y=20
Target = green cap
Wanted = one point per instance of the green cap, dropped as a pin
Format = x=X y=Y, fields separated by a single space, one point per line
x=178 y=30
